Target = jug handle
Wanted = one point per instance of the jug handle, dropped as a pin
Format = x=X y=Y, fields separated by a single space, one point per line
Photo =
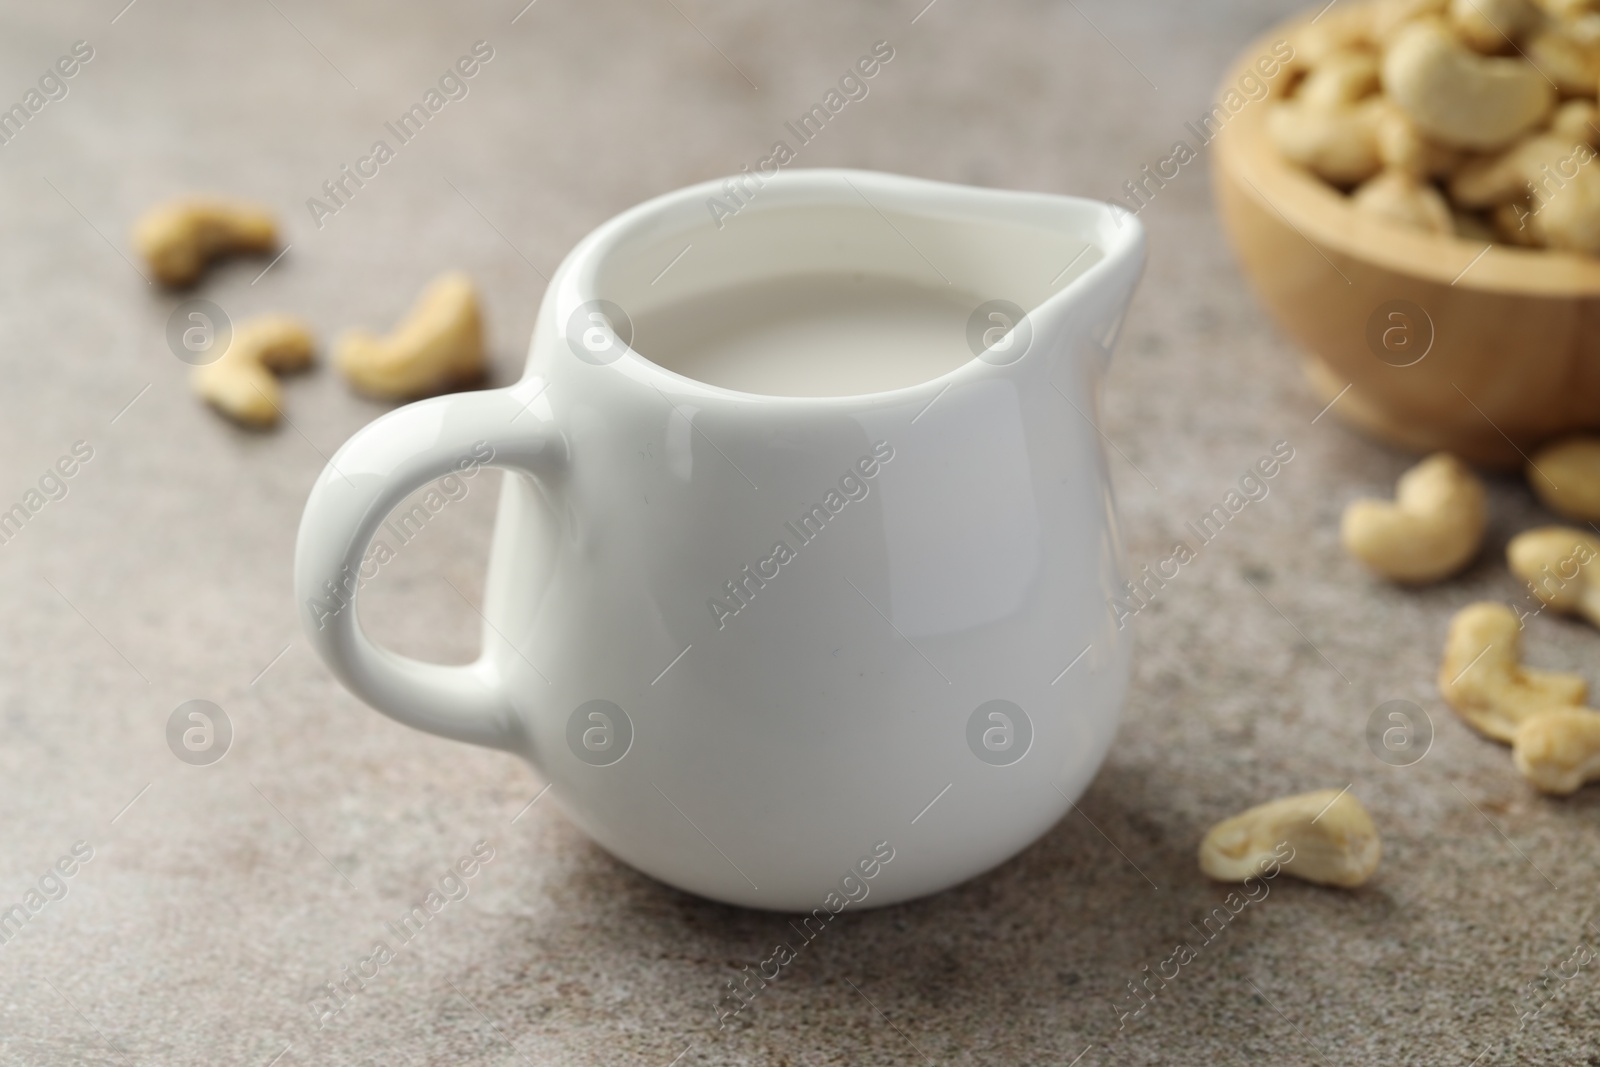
x=376 y=469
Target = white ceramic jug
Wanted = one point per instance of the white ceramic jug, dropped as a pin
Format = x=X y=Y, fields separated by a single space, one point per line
x=782 y=651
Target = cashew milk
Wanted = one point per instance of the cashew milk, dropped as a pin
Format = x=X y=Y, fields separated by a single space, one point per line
x=815 y=335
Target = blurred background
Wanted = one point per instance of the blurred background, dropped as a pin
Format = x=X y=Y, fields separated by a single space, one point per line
x=220 y=899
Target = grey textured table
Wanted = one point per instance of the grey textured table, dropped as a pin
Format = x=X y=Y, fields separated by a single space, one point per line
x=219 y=899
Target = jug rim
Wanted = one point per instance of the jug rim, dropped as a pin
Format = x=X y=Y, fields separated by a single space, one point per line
x=1118 y=235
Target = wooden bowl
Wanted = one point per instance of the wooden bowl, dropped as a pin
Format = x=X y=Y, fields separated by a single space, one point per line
x=1428 y=342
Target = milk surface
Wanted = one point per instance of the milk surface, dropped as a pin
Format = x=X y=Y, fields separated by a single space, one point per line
x=811 y=335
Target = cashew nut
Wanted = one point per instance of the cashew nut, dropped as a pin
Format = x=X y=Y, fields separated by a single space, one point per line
x=1567 y=9
x=438 y=345
x=1506 y=176
x=241 y=384
x=1389 y=17
x=1328 y=836
x=1492 y=25
x=1565 y=61
x=1560 y=566
x=1538 y=164
x=1344 y=29
x=1402 y=146
x=1339 y=144
x=1559 y=751
x=1483 y=679
x=1566 y=476
x=1342 y=78
x=1567 y=216
x=1583 y=27
x=178 y=239
x=1459 y=97
x=1403 y=198
x=1430 y=531
x=1575 y=120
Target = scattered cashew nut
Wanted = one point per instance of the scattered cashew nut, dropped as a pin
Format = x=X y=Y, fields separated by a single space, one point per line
x=1430 y=531
x=1483 y=679
x=438 y=345
x=1562 y=568
x=1566 y=477
x=241 y=383
x=180 y=238
x=1459 y=97
x=1330 y=837
x=1559 y=751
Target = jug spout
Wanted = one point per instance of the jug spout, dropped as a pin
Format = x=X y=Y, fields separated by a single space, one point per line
x=1099 y=249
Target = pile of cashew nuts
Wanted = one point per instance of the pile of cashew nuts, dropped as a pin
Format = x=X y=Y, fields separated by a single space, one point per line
x=1432 y=530
x=436 y=347
x=1475 y=118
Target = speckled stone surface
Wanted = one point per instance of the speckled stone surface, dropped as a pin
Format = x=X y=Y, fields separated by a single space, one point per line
x=219 y=899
